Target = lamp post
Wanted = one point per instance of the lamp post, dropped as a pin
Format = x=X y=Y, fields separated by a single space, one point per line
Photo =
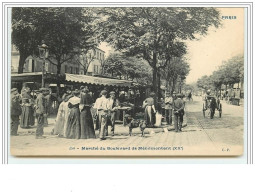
x=43 y=52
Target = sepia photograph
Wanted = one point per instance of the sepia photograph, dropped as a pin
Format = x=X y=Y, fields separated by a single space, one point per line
x=128 y=81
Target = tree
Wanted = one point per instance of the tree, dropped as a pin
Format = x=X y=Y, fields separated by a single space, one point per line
x=151 y=32
x=230 y=72
x=25 y=36
x=65 y=30
x=130 y=68
x=176 y=68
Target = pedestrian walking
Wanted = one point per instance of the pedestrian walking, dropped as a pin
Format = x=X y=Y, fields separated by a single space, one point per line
x=149 y=110
x=15 y=111
x=102 y=109
x=87 y=126
x=168 y=108
x=40 y=109
x=73 y=130
x=113 y=105
x=178 y=107
x=27 y=116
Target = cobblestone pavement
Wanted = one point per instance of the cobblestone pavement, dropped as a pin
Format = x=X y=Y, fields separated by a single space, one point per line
x=201 y=136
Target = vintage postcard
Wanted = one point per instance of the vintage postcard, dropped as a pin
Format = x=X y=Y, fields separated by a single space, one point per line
x=127 y=81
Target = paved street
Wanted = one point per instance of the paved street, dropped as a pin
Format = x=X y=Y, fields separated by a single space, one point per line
x=201 y=136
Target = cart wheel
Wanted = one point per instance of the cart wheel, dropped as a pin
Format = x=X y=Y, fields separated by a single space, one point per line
x=220 y=110
x=204 y=110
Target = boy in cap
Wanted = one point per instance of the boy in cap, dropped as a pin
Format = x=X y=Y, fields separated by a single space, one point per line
x=178 y=106
x=113 y=105
x=15 y=110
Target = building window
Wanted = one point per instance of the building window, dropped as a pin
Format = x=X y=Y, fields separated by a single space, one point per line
x=66 y=69
x=71 y=70
x=77 y=70
x=97 y=55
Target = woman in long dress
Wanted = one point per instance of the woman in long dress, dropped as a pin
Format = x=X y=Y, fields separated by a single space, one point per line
x=27 y=118
x=73 y=129
x=87 y=126
x=61 y=120
x=149 y=111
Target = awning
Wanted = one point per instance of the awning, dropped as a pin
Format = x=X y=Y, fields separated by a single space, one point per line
x=36 y=77
x=98 y=80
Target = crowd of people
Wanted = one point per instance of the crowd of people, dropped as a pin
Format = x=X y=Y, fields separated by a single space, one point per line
x=75 y=118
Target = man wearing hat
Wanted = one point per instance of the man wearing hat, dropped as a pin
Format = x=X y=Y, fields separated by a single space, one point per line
x=15 y=110
x=41 y=111
x=168 y=108
x=178 y=106
x=113 y=105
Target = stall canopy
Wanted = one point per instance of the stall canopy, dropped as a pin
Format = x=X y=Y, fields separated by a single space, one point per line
x=36 y=77
x=97 y=80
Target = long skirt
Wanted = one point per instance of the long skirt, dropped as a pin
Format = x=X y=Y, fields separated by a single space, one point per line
x=27 y=118
x=149 y=116
x=59 y=126
x=87 y=126
x=73 y=130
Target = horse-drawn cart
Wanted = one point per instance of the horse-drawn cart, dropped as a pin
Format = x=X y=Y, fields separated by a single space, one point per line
x=211 y=104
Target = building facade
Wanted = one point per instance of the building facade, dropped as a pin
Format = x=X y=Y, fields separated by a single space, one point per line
x=91 y=63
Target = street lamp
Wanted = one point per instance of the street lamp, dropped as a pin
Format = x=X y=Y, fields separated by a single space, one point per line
x=43 y=53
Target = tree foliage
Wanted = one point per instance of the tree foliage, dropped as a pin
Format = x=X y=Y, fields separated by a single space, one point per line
x=130 y=68
x=65 y=30
x=230 y=72
x=154 y=33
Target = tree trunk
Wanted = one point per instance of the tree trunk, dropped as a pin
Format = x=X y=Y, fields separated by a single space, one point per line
x=174 y=83
x=58 y=67
x=22 y=61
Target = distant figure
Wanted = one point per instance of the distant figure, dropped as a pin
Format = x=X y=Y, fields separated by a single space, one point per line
x=15 y=111
x=190 y=96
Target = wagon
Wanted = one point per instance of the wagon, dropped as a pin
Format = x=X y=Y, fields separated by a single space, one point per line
x=211 y=103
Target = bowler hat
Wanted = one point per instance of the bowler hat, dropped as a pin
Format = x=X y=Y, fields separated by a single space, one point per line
x=103 y=92
x=112 y=93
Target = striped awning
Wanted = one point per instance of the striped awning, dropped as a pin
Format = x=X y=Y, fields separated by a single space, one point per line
x=97 y=80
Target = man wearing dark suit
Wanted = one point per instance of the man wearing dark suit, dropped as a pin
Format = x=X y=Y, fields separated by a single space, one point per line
x=15 y=111
x=178 y=106
x=41 y=110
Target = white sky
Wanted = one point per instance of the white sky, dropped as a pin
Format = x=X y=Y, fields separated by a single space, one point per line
x=207 y=54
